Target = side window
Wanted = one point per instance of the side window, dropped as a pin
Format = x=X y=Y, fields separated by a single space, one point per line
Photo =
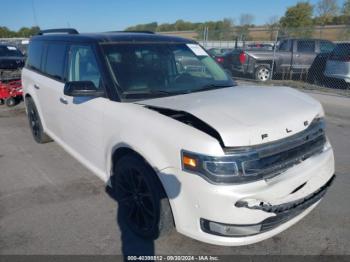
x=284 y=46
x=326 y=47
x=82 y=65
x=306 y=46
x=55 y=60
x=35 y=52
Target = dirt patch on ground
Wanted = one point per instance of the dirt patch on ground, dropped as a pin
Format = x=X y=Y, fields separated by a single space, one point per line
x=12 y=111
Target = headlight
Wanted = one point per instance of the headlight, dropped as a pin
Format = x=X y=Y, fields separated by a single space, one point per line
x=218 y=170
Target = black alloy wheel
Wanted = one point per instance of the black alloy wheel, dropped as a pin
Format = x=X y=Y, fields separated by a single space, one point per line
x=35 y=123
x=143 y=205
x=137 y=201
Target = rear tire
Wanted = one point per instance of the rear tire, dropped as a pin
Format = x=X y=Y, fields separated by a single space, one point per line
x=35 y=123
x=143 y=204
x=11 y=102
x=262 y=73
x=2 y=102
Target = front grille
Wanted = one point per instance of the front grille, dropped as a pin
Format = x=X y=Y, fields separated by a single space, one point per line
x=273 y=158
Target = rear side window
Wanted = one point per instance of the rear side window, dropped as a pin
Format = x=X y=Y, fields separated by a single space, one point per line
x=306 y=46
x=326 y=47
x=55 y=60
x=284 y=46
x=35 y=52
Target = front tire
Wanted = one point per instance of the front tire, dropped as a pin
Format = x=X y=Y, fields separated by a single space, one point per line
x=143 y=204
x=35 y=123
x=262 y=73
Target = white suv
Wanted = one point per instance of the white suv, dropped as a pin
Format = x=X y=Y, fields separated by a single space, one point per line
x=176 y=141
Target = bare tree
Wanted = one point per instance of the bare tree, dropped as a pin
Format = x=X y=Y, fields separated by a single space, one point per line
x=272 y=20
x=246 y=19
x=346 y=8
x=272 y=25
x=326 y=10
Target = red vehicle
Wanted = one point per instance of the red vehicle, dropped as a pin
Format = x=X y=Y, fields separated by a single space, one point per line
x=11 y=63
x=10 y=92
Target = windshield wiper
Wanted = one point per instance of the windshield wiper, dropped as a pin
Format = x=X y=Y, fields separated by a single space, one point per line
x=210 y=87
x=141 y=93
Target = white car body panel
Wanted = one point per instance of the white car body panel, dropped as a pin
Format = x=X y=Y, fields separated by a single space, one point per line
x=92 y=129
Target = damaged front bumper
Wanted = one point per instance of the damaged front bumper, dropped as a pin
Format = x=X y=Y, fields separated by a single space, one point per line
x=283 y=213
x=272 y=204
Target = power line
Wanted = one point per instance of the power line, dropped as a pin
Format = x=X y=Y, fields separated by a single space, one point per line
x=34 y=14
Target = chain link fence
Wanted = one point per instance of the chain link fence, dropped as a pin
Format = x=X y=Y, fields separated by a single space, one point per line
x=316 y=56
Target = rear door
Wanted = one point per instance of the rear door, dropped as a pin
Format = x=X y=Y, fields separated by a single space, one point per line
x=32 y=76
x=304 y=54
x=51 y=86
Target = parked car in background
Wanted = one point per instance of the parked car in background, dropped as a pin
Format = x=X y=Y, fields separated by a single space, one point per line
x=338 y=63
x=10 y=57
x=213 y=52
x=292 y=56
x=225 y=59
x=315 y=74
x=11 y=62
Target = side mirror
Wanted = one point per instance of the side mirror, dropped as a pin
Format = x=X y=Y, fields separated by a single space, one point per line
x=82 y=88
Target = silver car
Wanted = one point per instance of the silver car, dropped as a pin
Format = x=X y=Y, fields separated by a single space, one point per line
x=338 y=63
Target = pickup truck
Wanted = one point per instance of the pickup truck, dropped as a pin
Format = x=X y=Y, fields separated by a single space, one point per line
x=292 y=56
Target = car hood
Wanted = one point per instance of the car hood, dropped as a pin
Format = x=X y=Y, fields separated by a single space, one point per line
x=247 y=115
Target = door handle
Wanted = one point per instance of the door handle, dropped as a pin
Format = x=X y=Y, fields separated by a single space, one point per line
x=63 y=101
x=36 y=87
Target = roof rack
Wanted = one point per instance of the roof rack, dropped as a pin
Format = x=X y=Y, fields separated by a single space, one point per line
x=130 y=31
x=70 y=31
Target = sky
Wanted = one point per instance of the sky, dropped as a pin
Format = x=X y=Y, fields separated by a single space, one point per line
x=106 y=15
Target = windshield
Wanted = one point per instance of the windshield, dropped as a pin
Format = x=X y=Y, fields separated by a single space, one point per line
x=159 y=69
x=9 y=51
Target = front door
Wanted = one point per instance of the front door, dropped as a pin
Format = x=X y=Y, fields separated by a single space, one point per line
x=83 y=132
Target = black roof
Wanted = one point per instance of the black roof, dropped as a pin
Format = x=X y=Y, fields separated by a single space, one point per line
x=111 y=37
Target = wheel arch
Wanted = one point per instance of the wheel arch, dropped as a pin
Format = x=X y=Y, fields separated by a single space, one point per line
x=267 y=63
x=166 y=203
x=120 y=150
x=37 y=105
